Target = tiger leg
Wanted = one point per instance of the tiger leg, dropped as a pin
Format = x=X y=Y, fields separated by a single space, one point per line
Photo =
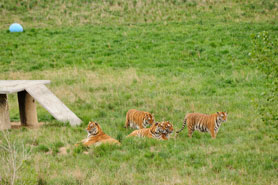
x=126 y=122
x=190 y=130
x=88 y=143
x=131 y=134
x=140 y=127
x=212 y=133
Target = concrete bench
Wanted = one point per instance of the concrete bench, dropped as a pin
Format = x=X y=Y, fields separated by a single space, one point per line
x=28 y=92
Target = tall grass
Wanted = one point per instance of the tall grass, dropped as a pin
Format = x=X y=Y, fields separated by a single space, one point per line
x=48 y=13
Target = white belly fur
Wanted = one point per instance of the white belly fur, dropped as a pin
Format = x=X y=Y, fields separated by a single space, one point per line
x=134 y=125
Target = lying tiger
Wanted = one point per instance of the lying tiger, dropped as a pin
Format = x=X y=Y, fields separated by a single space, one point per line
x=159 y=131
x=204 y=123
x=138 y=119
x=96 y=136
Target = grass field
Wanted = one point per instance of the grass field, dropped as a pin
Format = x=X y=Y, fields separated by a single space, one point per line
x=167 y=57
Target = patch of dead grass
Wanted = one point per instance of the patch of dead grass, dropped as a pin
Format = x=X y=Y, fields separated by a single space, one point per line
x=18 y=125
x=63 y=151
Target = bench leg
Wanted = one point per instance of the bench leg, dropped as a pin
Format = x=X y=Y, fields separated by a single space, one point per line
x=4 y=113
x=27 y=109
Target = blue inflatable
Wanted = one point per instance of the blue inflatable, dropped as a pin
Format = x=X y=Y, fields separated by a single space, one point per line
x=15 y=27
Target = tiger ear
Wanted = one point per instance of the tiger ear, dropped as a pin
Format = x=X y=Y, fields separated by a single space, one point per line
x=218 y=113
x=96 y=123
x=156 y=123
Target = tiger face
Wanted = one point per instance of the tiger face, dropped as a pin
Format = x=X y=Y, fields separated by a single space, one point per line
x=149 y=119
x=157 y=128
x=222 y=116
x=167 y=127
x=93 y=128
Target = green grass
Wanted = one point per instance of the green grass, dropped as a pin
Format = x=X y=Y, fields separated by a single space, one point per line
x=104 y=58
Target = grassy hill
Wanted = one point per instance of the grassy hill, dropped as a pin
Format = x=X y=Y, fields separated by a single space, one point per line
x=168 y=57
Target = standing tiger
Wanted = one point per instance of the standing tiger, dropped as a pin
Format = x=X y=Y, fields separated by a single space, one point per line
x=204 y=123
x=155 y=131
x=138 y=119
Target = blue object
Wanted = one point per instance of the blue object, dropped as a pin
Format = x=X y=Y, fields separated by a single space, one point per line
x=15 y=27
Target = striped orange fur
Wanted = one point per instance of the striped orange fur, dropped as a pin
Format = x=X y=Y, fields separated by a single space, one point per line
x=138 y=119
x=96 y=136
x=155 y=131
x=204 y=123
x=167 y=128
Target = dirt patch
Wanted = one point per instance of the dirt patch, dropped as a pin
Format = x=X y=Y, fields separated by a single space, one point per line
x=17 y=125
x=63 y=151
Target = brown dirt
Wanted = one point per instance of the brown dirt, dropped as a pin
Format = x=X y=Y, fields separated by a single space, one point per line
x=62 y=151
x=17 y=125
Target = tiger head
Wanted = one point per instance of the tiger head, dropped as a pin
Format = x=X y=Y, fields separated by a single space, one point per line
x=222 y=116
x=93 y=128
x=157 y=128
x=167 y=127
x=149 y=118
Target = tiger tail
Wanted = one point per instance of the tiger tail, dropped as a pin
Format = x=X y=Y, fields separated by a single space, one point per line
x=183 y=125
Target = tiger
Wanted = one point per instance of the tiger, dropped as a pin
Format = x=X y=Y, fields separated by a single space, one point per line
x=167 y=128
x=155 y=131
x=204 y=123
x=96 y=136
x=138 y=119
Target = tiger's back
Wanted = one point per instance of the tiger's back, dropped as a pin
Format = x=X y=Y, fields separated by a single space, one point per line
x=99 y=139
x=155 y=131
x=144 y=132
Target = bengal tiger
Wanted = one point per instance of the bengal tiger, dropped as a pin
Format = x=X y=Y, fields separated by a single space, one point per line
x=167 y=128
x=96 y=136
x=138 y=119
x=155 y=131
x=204 y=123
